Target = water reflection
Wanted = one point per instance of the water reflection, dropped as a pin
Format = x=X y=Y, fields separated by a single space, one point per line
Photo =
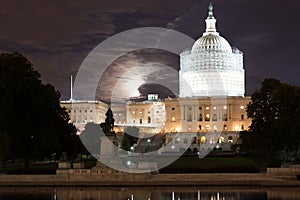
x=149 y=193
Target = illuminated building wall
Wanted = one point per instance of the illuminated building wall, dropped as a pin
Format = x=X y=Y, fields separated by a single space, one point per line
x=201 y=115
x=83 y=112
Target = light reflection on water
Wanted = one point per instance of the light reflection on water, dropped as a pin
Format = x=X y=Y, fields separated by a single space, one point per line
x=149 y=193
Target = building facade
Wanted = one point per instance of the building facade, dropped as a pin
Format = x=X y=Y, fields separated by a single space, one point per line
x=83 y=112
x=206 y=115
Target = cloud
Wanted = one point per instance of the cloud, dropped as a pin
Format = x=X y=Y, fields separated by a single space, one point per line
x=137 y=67
x=57 y=35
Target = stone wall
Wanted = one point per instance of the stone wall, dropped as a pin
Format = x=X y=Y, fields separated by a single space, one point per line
x=284 y=172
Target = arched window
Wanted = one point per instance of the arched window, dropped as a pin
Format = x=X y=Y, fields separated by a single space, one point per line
x=203 y=139
x=221 y=139
x=230 y=139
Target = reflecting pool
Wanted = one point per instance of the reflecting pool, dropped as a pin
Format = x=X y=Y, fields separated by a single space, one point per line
x=148 y=193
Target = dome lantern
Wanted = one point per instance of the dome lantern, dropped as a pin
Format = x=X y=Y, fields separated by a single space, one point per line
x=210 y=22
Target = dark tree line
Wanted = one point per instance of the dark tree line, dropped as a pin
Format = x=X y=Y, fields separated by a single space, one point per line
x=275 y=130
x=33 y=125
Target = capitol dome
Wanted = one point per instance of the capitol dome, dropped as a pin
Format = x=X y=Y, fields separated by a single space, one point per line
x=211 y=67
x=211 y=43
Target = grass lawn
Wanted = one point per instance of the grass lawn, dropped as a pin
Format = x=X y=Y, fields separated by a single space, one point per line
x=35 y=168
x=190 y=164
x=211 y=165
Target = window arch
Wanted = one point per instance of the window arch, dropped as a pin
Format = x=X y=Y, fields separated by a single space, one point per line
x=203 y=139
x=221 y=139
x=230 y=139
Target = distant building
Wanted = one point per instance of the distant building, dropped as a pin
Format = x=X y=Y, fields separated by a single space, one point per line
x=83 y=112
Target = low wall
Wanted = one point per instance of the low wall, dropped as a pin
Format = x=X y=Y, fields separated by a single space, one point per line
x=284 y=172
x=104 y=174
x=83 y=178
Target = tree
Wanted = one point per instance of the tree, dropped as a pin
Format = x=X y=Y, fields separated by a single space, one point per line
x=108 y=125
x=130 y=137
x=30 y=111
x=274 y=110
x=5 y=142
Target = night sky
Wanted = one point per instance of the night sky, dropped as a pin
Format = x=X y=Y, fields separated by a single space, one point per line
x=57 y=35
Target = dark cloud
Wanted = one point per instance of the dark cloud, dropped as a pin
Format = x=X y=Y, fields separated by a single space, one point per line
x=57 y=35
x=124 y=69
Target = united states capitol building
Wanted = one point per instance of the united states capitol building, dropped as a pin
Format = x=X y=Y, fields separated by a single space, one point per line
x=211 y=96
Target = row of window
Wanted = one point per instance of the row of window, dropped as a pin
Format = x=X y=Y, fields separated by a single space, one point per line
x=141 y=120
x=204 y=139
x=214 y=107
x=206 y=118
x=208 y=128
x=215 y=127
x=133 y=112
x=80 y=111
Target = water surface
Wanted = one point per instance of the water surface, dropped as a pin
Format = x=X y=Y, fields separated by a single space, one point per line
x=148 y=193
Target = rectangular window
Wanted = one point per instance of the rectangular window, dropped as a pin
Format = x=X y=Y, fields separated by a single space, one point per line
x=173 y=119
x=207 y=118
x=242 y=117
x=194 y=140
x=189 y=118
x=225 y=117
x=200 y=117
x=214 y=118
x=141 y=121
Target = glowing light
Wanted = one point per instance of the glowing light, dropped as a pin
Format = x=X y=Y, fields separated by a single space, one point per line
x=203 y=139
x=237 y=128
x=215 y=128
